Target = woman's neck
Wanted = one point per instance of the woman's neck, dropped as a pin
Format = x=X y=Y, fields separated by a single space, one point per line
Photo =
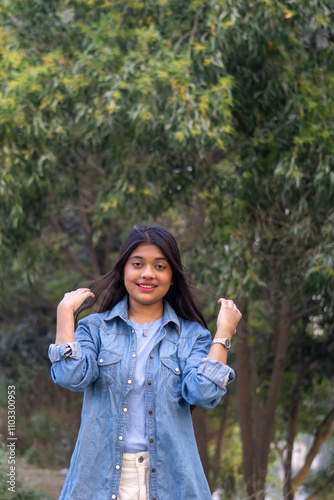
x=145 y=313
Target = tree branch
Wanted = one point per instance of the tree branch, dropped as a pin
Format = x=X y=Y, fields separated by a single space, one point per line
x=83 y=156
x=189 y=33
x=305 y=312
x=315 y=494
x=87 y=230
x=71 y=255
x=324 y=432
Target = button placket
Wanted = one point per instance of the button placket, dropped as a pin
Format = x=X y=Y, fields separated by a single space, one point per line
x=150 y=426
x=126 y=389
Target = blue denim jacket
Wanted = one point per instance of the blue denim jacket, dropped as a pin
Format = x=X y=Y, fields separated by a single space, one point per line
x=178 y=375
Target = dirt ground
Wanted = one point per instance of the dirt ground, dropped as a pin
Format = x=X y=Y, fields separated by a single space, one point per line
x=46 y=480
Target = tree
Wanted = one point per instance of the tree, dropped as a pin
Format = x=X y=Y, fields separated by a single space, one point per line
x=213 y=118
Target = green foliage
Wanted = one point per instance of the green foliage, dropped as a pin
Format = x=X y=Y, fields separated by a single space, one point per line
x=214 y=119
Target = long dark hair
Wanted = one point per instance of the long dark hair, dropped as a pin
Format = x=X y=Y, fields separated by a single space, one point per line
x=110 y=288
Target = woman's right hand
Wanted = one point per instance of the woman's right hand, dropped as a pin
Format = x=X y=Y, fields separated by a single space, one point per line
x=73 y=300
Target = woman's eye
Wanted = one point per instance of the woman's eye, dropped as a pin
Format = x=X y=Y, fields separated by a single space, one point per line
x=160 y=267
x=136 y=264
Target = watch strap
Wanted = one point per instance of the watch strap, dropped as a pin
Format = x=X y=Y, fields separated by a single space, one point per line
x=225 y=342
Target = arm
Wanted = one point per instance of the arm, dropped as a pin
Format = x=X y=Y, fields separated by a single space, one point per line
x=65 y=314
x=73 y=356
x=227 y=321
x=206 y=373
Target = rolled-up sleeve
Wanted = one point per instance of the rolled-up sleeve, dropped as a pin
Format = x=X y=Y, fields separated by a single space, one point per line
x=58 y=352
x=74 y=365
x=217 y=372
x=204 y=379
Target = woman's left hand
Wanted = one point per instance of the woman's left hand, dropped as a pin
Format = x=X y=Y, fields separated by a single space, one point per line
x=228 y=317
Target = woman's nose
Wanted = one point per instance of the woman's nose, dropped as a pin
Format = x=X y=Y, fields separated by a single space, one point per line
x=147 y=272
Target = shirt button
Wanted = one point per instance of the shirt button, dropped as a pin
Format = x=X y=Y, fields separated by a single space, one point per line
x=101 y=360
x=151 y=440
x=141 y=460
x=113 y=497
x=149 y=383
x=150 y=412
x=153 y=470
x=133 y=331
x=125 y=410
x=134 y=355
x=118 y=467
x=151 y=357
x=129 y=381
x=177 y=369
x=121 y=439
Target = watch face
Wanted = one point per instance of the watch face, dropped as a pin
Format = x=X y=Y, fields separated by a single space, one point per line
x=227 y=343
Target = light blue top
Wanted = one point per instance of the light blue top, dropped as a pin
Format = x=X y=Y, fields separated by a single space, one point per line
x=102 y=363
x=135 y=437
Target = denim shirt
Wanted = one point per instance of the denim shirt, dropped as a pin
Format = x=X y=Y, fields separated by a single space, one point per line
x=178 y=374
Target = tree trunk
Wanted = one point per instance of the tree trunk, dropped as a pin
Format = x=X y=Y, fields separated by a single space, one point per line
x=255 y=462
x=274 y=391
x=219 y=440
x=245 y=404
x=292 y=432
x=293 y=422
x=200 y=428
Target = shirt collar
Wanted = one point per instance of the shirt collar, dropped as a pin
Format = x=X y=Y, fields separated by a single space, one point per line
x=121 y=310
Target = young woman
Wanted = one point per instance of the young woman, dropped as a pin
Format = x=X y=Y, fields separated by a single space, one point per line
x=142 y=361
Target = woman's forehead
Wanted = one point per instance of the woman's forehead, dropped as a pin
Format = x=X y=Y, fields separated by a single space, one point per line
x=147 y=251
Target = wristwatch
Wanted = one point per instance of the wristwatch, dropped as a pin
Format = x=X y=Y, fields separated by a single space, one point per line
x=225 y=342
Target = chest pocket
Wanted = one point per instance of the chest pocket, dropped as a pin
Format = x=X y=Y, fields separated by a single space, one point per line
x=108 y=363
x=172 y=375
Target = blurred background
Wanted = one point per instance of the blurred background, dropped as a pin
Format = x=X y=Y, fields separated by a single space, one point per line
x=214 y=119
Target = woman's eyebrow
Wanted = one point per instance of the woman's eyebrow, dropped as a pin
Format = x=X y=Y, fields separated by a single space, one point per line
x=142 y=258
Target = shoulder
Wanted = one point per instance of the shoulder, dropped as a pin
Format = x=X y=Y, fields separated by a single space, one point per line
x=192 y=329
x=95 y=319
x=185 y=327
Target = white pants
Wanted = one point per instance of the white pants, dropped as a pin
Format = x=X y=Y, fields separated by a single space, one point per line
x=134 y=484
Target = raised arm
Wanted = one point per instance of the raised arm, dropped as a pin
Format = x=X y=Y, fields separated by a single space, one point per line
x=65 y=314
x=227 y=321
x=74 y=355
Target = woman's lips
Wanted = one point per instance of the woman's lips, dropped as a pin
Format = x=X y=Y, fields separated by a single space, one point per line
x=146 y=287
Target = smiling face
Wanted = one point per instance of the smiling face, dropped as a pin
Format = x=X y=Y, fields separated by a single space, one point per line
x=147 y=276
